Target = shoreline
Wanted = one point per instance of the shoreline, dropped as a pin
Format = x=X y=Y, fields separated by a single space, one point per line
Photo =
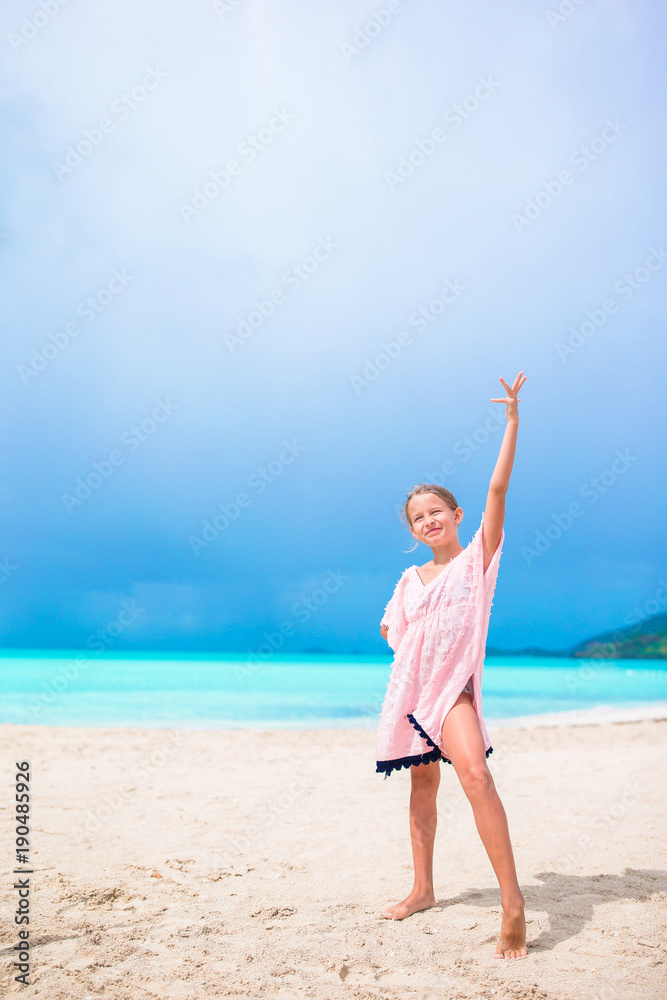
x=604 y=714
x=599 y=715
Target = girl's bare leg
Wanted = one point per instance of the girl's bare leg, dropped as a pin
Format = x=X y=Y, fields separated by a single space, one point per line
x=462 y=737
x=425 y=779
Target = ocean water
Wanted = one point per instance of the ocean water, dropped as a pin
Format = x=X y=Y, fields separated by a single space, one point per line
x=73 y=688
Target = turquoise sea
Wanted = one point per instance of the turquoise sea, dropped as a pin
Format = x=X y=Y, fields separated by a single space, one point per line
x=74 y=688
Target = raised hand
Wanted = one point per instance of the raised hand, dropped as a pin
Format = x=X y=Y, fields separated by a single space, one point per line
x=511 y=399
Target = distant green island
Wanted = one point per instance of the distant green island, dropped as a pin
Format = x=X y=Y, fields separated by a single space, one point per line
x=645 y=640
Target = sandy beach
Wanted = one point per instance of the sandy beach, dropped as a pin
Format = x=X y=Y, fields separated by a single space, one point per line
x=196 y=864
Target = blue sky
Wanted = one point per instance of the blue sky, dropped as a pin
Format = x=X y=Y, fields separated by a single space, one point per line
x=264 y=262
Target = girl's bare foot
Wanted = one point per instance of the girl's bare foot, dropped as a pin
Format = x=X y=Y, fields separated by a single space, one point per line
x=512 y=940
x=411 y=904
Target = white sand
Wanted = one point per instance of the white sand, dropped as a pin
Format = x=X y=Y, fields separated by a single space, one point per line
x=256 y=864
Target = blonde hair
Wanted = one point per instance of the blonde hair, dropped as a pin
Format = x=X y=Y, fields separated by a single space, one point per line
x=445 y=495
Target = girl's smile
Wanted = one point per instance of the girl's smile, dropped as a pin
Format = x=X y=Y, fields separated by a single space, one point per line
x=429 y=518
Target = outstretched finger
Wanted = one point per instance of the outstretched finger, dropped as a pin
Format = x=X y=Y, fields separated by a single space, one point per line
x=517 y=381
x=509 y=390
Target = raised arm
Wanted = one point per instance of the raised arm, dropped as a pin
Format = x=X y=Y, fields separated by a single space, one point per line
x=494 y=512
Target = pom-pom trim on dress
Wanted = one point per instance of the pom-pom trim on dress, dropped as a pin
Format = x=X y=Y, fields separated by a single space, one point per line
x=425 y=758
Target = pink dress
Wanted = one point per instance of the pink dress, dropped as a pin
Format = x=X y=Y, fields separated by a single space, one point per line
x=437 y=632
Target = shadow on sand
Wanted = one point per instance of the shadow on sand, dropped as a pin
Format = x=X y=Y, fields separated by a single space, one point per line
x=569 y=900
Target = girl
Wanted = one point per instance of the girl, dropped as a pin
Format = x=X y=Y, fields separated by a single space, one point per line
x=436 y=623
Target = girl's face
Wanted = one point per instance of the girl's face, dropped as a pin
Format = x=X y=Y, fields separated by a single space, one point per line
x=433 y=522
